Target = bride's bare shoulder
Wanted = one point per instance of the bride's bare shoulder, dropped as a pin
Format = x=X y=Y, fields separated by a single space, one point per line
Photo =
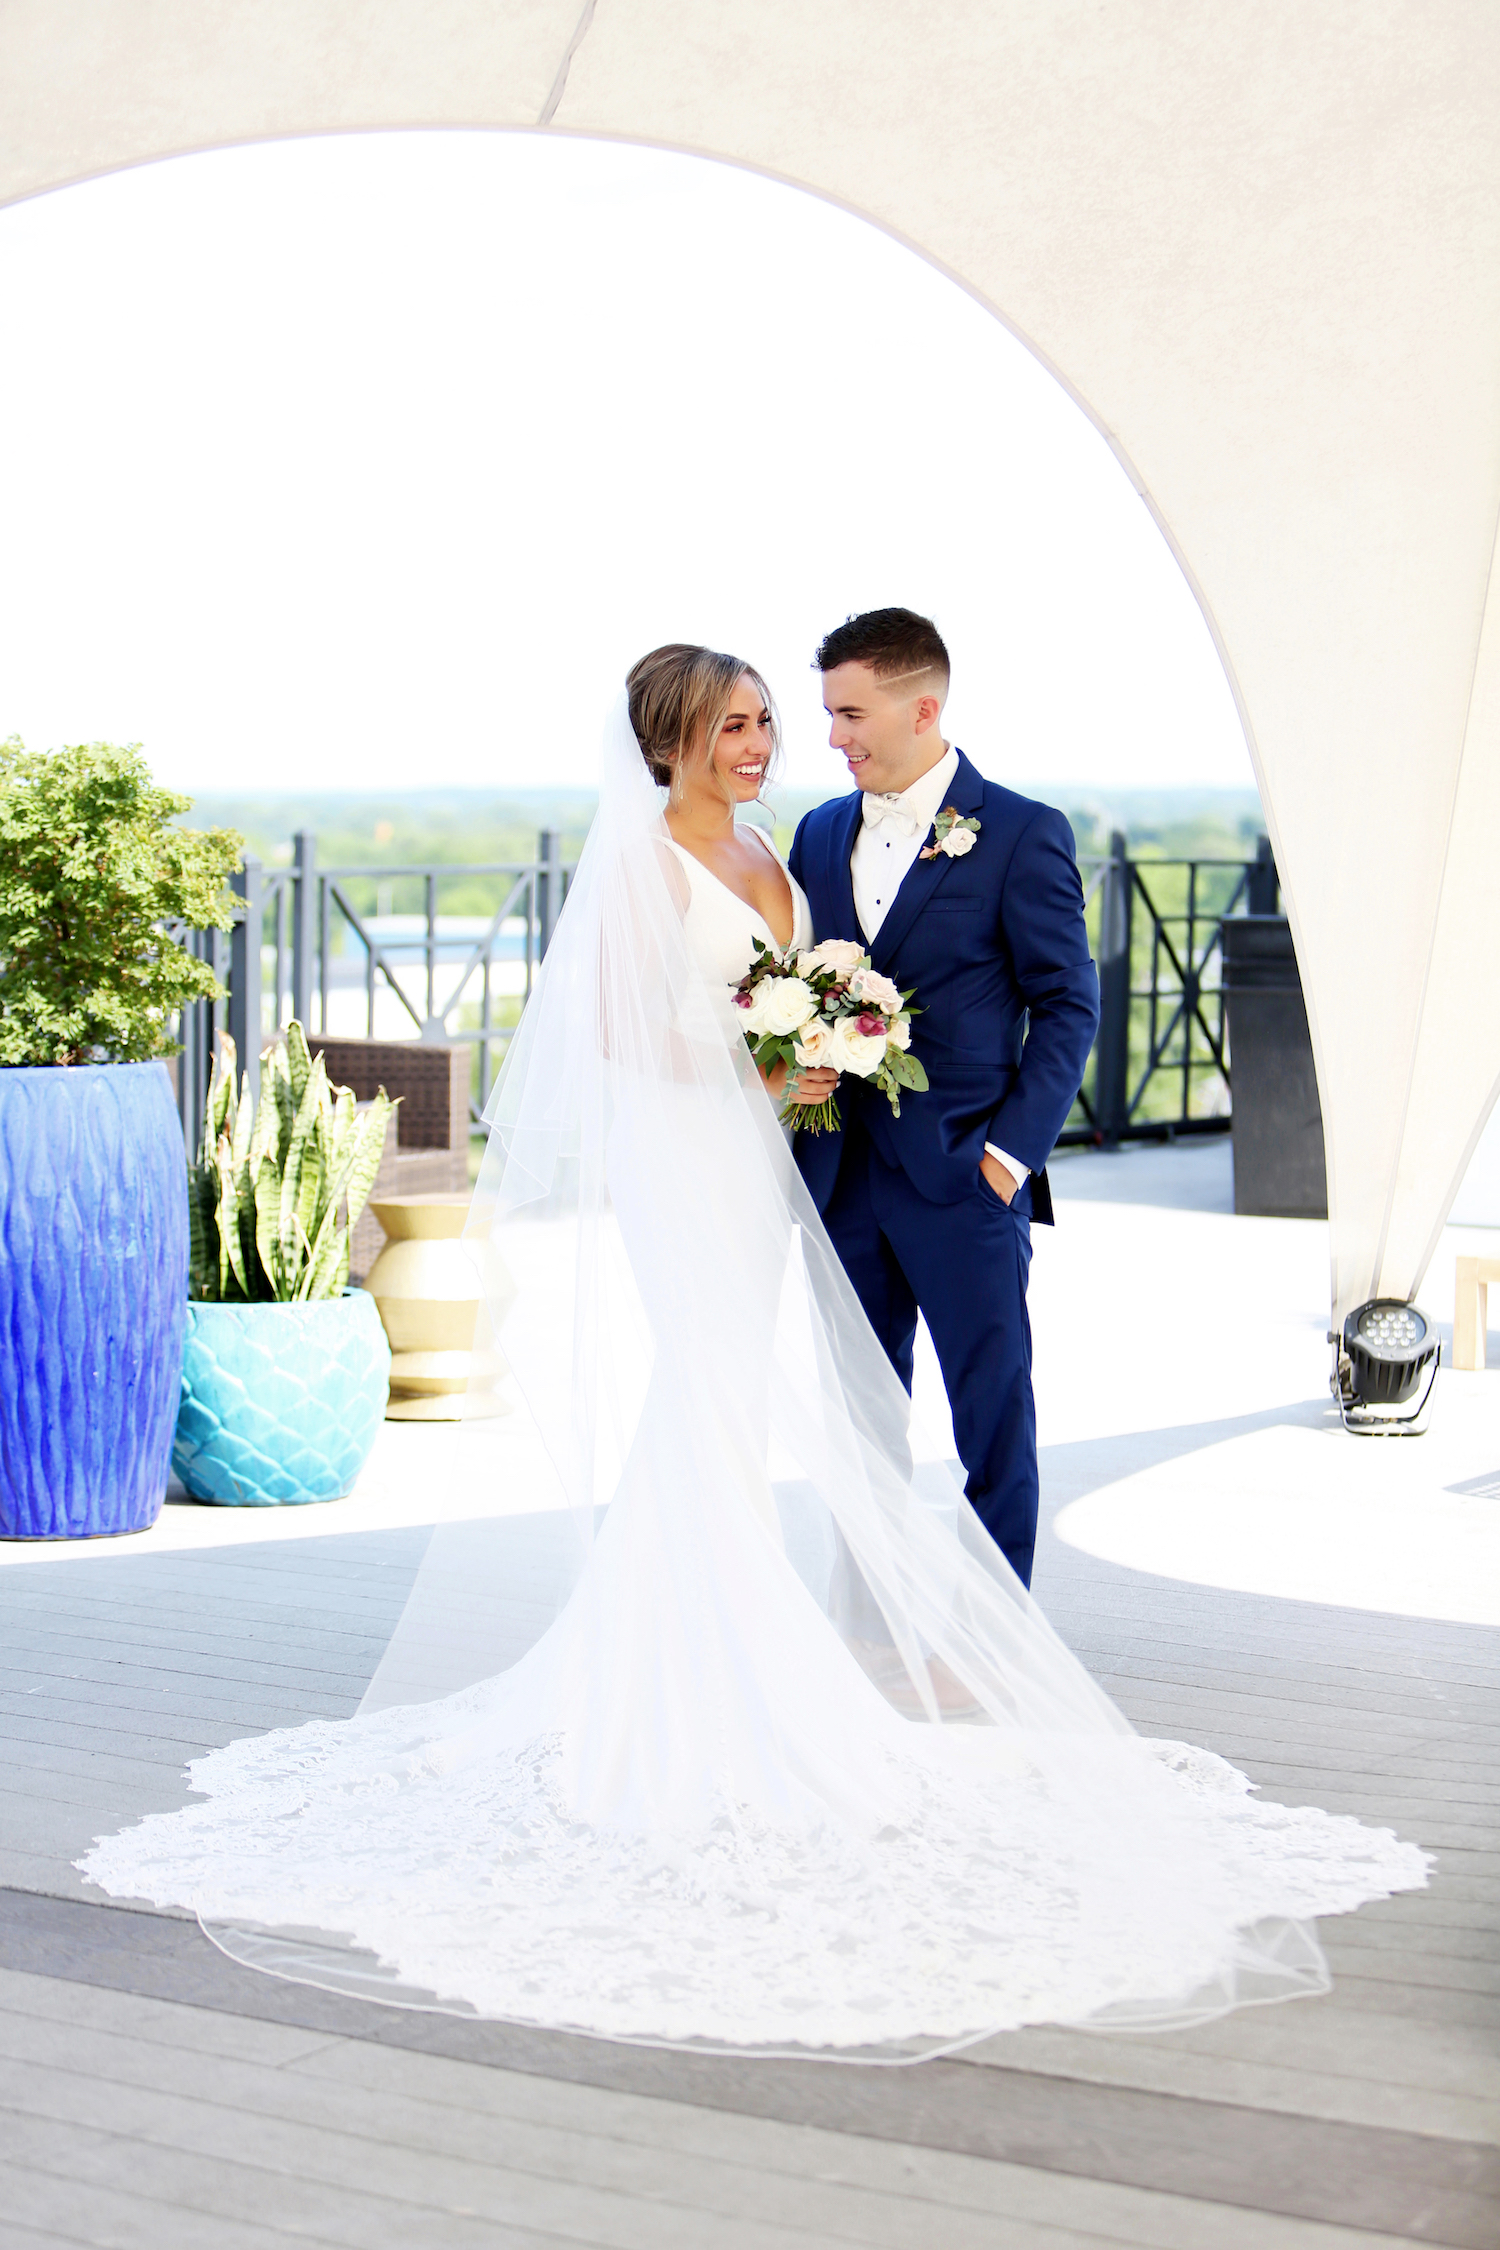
x=753 y=828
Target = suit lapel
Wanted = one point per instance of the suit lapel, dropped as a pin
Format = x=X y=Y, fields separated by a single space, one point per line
x=925 y=875
x=843 y=832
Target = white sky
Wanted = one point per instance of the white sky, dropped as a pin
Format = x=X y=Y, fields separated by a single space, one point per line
x=373 y=462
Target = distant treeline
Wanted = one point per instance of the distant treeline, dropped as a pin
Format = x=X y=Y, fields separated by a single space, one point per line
x=437 y=826
x=400 y=827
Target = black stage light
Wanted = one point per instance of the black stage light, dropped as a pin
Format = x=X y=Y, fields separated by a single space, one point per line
x=1378 y=1367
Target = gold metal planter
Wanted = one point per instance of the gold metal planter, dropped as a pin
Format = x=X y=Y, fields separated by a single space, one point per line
x=444 y=1365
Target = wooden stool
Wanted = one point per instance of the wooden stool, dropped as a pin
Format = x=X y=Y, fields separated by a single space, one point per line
x=1472 y=1277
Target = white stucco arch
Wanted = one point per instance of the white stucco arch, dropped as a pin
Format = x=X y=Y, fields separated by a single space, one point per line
x=1259 y=243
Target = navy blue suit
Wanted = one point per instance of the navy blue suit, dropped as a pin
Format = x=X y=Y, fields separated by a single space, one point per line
x=995 y=945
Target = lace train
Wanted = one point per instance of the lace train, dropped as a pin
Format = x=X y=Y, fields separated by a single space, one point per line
x=989 y=1901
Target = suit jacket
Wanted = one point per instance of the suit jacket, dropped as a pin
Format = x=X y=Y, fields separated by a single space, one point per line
x=995 y=945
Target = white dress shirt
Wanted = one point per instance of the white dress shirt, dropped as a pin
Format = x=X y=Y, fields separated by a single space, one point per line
x=895 y=826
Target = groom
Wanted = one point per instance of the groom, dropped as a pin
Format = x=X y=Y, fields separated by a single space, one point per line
x=930 y=1212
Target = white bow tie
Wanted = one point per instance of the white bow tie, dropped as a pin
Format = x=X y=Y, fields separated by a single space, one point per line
x=889 y=808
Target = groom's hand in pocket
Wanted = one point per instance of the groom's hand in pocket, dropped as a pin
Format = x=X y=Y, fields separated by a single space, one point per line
x=995 y=1174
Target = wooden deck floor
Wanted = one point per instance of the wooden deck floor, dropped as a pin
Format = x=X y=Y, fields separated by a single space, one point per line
x=153 y=2093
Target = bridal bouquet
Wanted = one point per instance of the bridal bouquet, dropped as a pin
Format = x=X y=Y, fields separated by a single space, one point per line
x=827 y=1009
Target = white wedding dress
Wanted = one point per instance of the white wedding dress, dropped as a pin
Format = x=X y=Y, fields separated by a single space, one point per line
x=666 y=1788
x=720 y=926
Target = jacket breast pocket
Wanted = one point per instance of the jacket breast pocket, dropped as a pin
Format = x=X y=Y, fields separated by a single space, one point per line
x=945 y=905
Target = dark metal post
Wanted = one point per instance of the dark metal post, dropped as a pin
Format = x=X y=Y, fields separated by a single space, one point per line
x=1189 y=989
x=195 y=1029
x=244 y=973
x=189 y=1040
x=548 y=882
x=431 y=1019
x=219 y=949
x=324 y=949
x=1262 y=884
x=1112 y=1081
x=304 y=923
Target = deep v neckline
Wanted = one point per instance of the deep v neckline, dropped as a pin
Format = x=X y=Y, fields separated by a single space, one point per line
x=748 y=904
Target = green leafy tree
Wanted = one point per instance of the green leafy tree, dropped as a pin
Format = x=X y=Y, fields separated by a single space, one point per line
x=91 y=871
x=278 y=1186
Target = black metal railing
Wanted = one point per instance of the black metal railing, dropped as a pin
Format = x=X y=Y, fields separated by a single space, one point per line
x=310 y=947
x=1160 y=1065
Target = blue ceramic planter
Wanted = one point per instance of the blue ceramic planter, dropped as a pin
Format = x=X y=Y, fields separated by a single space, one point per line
x=93 y=1271
x=280 y=1403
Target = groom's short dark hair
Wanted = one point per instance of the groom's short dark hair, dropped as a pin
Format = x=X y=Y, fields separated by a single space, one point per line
x=895 y=643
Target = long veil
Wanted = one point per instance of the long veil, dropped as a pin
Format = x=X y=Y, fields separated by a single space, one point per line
x=742 y=1733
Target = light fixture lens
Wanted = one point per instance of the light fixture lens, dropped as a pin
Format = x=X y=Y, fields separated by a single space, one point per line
x=1388 y=1346
x=1390 y=1331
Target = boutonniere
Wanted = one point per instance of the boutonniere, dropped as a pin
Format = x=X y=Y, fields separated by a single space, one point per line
x=951 y=835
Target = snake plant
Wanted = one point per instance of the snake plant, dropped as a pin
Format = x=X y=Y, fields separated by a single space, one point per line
x=278 y=1186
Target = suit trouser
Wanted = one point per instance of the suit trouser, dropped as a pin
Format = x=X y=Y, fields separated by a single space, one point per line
x=963 y=1266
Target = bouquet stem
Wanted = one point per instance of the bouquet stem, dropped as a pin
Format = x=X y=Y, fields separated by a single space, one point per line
x=804 y=1118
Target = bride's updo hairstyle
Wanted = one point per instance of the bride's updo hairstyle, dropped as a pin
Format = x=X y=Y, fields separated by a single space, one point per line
x=679 y=696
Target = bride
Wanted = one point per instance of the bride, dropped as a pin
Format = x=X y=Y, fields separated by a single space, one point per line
x=653 y=1773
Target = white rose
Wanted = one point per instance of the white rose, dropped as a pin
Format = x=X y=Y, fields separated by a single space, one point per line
x=878 y=991
x=752 y=1015
x=958 y=841
x=814 y=1048
x=855 y=1051
x=757 y=1017
x=899 y=1034
x=839 y=954
x=780 y=1005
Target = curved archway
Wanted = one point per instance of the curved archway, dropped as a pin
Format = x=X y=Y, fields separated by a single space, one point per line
x=446 y=427
x=1262 y=243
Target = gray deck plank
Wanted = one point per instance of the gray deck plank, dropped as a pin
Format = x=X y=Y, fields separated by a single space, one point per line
x=167 y=2200
x=1395 y=2075
x=1179 y=2147
x=381 y=2170
x=302 y=2185
x=607 y=2167
x=29 y=2238
x=64 y=2208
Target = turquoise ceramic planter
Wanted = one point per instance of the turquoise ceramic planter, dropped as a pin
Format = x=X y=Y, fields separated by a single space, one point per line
x=280 y=1403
